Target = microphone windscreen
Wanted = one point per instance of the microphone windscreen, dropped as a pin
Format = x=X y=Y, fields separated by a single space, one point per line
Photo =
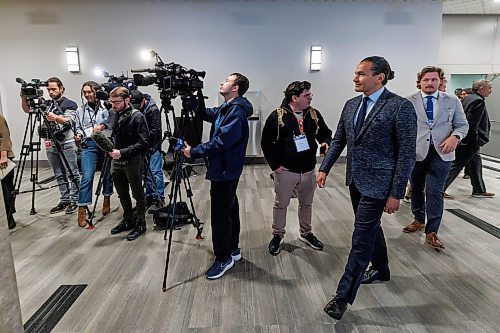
x=102 y=141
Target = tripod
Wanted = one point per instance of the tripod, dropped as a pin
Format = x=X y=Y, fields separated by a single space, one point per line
x=179 y=173
x=105 y=167
x=37 y=117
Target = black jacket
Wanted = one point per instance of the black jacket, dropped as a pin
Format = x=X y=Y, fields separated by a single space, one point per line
x=479 y=121
x=153 y=119
x=280 y=150
x=131 y=133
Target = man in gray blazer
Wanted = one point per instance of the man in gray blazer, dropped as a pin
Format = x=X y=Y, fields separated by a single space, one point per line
x=379 y=129
x=441 y=124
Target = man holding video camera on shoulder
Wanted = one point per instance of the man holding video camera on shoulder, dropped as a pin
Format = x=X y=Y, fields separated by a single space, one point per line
x=92 y=116
x=60 y=115
x=131 y=142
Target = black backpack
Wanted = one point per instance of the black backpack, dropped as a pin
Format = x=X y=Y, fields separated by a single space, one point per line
x=162 y=216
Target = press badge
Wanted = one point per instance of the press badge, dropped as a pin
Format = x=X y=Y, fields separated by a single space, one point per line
x=301 y=143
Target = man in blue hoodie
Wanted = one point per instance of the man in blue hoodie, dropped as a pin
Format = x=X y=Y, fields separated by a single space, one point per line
x=226 y=155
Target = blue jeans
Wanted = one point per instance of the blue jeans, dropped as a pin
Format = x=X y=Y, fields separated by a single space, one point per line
x=68 y=189
x=89 y=159
x=156 y=166
x=427 y=189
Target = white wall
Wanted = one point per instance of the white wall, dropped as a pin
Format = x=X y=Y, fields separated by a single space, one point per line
x=470 y=44
x=268 y=41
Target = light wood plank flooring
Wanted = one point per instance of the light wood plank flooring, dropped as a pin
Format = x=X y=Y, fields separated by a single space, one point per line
x=452 y=291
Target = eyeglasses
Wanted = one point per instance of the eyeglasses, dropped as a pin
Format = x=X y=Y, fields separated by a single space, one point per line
x=116 y=102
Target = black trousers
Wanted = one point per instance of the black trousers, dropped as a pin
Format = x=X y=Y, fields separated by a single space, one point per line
x=129 y=173
x=225 y=218
x=7 y=189
x=468 y=154
x=368 y=243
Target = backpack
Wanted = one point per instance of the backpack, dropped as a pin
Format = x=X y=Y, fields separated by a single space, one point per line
x=163 y=216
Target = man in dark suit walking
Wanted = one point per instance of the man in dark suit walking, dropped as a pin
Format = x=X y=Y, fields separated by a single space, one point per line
x=379 y=129
x=477 y=136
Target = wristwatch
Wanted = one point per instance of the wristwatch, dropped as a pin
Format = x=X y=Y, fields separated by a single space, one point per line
x=456 y=136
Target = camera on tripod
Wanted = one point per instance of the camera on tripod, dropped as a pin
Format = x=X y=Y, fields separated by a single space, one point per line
x=31 y=90
x=172 y=78
x=112 y=83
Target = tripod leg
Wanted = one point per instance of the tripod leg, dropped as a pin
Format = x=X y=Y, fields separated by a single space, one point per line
x=195 y=220
x=173 y=202
x=105 y=168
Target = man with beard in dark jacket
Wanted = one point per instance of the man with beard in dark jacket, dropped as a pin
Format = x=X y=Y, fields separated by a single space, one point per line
x=131 y=142
x=153 y=178
x=226 y=155
x=289 y=146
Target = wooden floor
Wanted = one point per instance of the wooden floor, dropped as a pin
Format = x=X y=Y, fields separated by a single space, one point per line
x=453 y=291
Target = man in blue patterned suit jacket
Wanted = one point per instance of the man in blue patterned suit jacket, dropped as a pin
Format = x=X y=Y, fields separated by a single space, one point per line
x=379 y=129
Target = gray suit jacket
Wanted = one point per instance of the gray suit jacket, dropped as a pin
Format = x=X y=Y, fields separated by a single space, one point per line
x=381 y=158
x=449 y=119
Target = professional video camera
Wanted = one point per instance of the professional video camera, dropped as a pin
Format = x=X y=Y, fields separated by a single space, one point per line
x=31 y=90
x=112 y=83
x=171 y=78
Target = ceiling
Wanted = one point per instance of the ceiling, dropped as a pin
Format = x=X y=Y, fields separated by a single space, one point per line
x=481 y=7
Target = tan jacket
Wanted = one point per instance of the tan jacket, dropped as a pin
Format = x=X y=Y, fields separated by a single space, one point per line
x=5 y=142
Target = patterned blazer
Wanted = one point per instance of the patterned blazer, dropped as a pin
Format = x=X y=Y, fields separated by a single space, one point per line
x=380 y=159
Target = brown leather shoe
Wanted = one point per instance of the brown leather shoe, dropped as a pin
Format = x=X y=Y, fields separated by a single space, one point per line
x=82 y=215
x=414 y=227
x=483 y=195
x=434 y=241
x=106 y=206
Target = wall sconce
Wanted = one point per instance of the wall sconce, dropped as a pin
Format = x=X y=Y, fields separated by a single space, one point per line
x=315 y=57
x=72 y=59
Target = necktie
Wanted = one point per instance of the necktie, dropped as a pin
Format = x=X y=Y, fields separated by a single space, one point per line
x=429 y=109
x=361 y=116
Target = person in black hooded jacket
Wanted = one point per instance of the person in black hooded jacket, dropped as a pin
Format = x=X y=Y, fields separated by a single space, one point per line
x=131 y=134
x=289 y=143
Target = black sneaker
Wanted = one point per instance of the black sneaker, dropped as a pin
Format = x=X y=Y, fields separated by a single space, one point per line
x=124 y=225
x=155 y=206
x=312 y=241
x=71 y=208
x=59 y=208
x=275 y=245
x=136 y=232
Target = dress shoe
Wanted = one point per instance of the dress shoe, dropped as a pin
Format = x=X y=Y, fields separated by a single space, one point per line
x=12 y=222
x=336 y=307
x=373 y=274
x=434 y=241
x=414 y=227
x=483 y=195
x=124 y=225
x=136 y=232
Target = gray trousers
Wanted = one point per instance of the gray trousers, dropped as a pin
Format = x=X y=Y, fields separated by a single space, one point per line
x=284 y=184
x=68 y=190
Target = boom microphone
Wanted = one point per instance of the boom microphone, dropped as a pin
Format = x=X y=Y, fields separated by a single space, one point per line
x=19 y=80
x=140 y=70
x=102 y=141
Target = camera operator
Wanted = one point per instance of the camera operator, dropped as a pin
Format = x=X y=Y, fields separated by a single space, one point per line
x=131 y=141
x=226 y=155
x=92 y=115
x=155 y=195
x=61 y=115
x=8 y=180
